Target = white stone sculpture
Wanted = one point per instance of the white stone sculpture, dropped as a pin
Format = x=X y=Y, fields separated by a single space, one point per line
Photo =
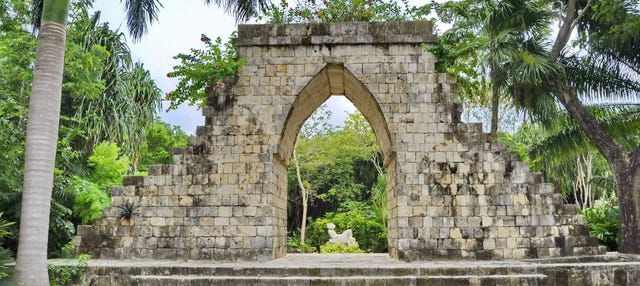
x=346 y=238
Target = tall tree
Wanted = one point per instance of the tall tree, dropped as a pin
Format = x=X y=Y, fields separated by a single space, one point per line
x=609 y=32
x=44 y=115
x=607 y=67
x=316 y=125
x=483 y=42
x=42 y=135
x=546 y=69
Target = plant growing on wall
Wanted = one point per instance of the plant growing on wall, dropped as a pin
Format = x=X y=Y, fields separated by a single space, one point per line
x=312 y=11
x=204 y=73
x=126 y=211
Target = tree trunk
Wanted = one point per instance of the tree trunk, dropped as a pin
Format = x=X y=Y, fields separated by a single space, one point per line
x=495 y=103
x=624 y=165
x=627 y=174
x=42 y=137
x=303 y=194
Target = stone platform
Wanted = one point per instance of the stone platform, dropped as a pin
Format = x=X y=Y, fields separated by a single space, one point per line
x=369 y=269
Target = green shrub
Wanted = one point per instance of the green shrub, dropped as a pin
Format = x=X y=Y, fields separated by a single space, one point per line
x=367 y=227
x=339 y=248
x=294 y=245
x=5 y=255
x=90 y=201
x=604 y=223
x=68 y=275
x=203 y=70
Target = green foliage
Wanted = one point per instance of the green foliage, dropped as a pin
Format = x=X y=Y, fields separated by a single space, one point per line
x=367 y=227
x=5 y=255
x=126 y=210
x=69 y=274
x=204 y=73
x=105 y=97
x=107 y=165
x=522 y=140
x=161 y=137
x=314 y=11
x=68 y=250
x=90 y=201
x=295 y=245
x=379 y=198
x=4 y=226
x=107 y=169
x=339 y=248
x=604 y=223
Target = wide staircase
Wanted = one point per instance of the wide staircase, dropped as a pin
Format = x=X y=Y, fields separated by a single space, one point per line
x=368 y=269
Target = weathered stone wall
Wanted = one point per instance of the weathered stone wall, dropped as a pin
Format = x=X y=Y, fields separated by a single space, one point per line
x=452 y=193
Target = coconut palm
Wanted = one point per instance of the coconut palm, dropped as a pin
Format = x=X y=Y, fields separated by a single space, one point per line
x=44 y=114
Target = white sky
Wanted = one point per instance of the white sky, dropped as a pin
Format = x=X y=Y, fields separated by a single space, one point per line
x=179 y=28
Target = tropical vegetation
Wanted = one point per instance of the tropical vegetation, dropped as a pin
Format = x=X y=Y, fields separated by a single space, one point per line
x=575 y=86
x=49 y=18
x=548 y=73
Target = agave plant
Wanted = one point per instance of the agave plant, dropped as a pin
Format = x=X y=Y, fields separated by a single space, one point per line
x=127 y=210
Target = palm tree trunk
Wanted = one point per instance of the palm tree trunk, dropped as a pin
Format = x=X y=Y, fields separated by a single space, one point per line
x=42 y=137
x=495 y=99
x=624 y=165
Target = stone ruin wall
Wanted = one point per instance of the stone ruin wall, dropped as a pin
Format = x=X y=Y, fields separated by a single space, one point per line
x=453 y=194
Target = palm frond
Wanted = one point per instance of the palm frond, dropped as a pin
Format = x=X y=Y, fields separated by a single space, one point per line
x=140 y=13
x=619 y=122
x=599 y=78
x=242 y=10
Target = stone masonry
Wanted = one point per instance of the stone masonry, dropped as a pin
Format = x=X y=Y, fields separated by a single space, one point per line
x=453 y=193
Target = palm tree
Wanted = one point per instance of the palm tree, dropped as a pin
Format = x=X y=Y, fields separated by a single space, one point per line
x=540 y=76
x=44 y=114
x=610 y=69
x=607 y=69
x=485 y=39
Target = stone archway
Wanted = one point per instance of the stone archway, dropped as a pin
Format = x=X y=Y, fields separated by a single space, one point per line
x=335 y=79
x=453 y=194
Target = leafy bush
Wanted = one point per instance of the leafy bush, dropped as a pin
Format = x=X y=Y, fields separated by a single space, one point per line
x=68 y=275
x=90 y=201
x=107 y=165
x=313 y=11
x=203 y=70
x=5 y=255
x=604 y=223
x=367 y=227
x=339 y=248
x=294 y=245
x=92 y=194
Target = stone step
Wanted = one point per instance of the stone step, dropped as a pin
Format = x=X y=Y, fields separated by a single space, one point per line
x=448 y=280
x=520 y=280
x=144 y=280
x=318 y=271
x=370 y=269
x=507 y=280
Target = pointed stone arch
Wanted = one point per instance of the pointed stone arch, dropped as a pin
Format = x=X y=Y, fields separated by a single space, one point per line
x=334 y=79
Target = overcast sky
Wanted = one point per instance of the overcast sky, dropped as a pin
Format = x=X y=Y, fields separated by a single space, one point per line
x=179 y=28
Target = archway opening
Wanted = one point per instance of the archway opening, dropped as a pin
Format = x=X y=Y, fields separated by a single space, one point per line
x=340 y=169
